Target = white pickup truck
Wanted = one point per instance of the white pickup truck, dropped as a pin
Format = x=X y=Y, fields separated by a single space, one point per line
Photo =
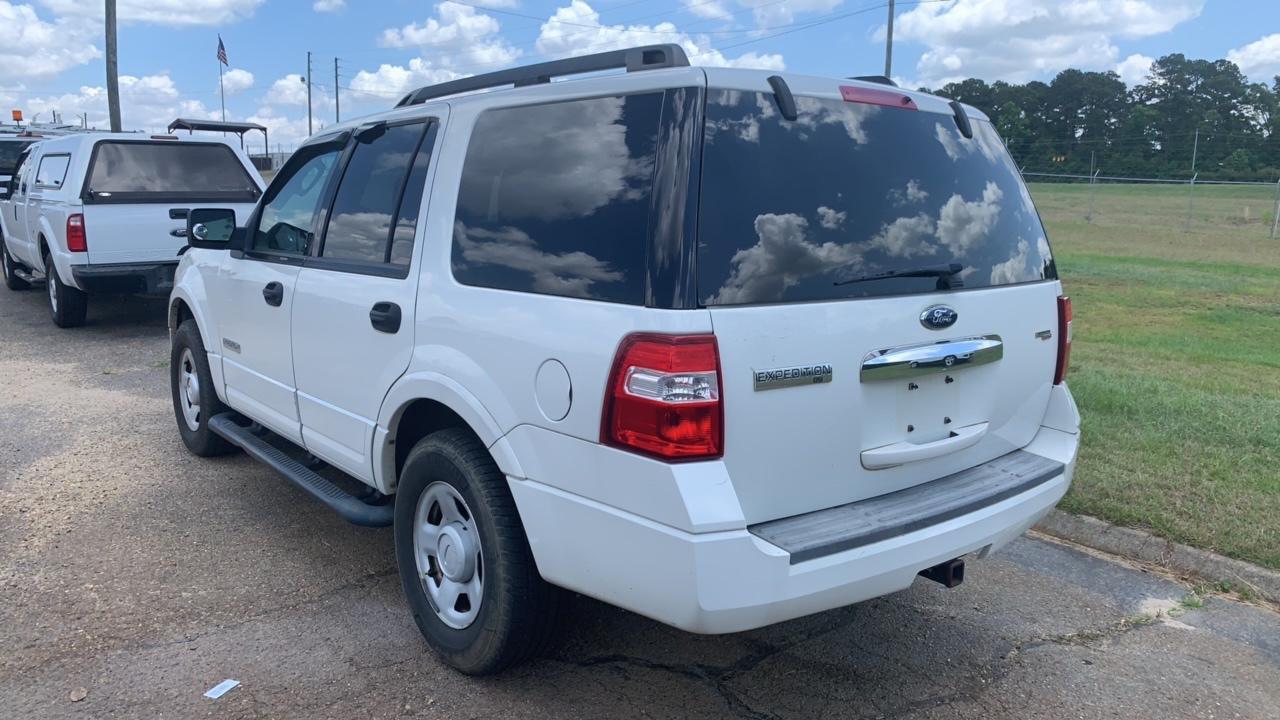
x=106 y=213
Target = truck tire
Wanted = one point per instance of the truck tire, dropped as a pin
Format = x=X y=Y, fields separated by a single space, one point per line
x=11 y=281
x=194 y=398
x=458 y=535
x=67 y=305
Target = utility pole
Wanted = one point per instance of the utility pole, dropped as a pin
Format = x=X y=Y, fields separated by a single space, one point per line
x=888 y=45
x=309 y=92
x=113 y=69
x=337 y=114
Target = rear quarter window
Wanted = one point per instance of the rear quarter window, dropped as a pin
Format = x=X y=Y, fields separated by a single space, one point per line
x=810 y=209
x=52 y=171
x=555 y=199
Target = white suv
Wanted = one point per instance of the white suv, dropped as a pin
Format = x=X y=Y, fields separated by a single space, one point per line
x=719 y=347
x=106 y=213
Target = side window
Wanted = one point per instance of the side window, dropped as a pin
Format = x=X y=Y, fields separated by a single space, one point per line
x=368 y=203
x=52 y=171
x=555 y=199
x=411 y=202
x=289 y=213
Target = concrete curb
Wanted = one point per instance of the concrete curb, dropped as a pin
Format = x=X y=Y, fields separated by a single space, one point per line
x=1145 y=547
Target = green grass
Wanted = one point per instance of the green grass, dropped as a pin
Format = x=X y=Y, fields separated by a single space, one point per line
x=1176 y=360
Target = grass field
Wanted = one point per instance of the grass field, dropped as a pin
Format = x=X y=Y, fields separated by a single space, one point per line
x=1176 y=360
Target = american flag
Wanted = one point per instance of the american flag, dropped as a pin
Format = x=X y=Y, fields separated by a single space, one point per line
x=222 y=53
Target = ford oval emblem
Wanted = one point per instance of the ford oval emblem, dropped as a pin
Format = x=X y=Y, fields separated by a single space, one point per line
x=938 y=317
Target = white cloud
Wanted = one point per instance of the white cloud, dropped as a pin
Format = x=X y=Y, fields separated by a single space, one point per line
x=570 y=273
x=147 y=103
x=773 y=14
x=1260 y=59
x=32 y=48
x=461 y=41
x=1027 y=39
x=962 y=224
x=328 y=6
x=161 y=12
x=235 y=81
x=781 y=258
x=1014 y=269
x=1134 y=69
x=564 y=34
x=283 y=130
x=907 y=237
x=913 y=193
x=709 y=9
x=831 y=219
x=288 y=90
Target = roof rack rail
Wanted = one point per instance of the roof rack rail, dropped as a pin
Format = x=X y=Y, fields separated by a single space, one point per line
x=881 y=79
x=645 y=57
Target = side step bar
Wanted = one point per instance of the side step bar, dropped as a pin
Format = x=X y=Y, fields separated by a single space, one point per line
x=28 y=275
x=340 y=501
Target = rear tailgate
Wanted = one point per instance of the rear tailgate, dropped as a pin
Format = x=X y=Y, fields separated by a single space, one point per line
x=826 y=244
x=137 y=193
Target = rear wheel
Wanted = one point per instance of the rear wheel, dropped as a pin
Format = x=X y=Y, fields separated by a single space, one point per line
x=194 y=397
x=11 y=281
x=67 y=305
x=466 y=567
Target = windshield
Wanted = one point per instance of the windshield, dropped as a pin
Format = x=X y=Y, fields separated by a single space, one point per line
x=169 y=170
x=9 y=152
x=856 y=200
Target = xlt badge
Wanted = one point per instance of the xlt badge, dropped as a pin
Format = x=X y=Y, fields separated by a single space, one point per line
x=791 y=376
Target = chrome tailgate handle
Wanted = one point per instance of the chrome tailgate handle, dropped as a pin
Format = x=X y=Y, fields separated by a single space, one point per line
x=926 y=358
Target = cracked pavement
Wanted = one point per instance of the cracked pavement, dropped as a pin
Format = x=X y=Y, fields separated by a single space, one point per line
x=145 y=576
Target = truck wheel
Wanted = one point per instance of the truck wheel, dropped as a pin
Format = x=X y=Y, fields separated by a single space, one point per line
x=11 y=281
x=67 y=305
x=465 y=563
x=194 y=398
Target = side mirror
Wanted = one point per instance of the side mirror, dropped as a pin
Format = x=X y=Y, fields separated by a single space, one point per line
x=211 y=228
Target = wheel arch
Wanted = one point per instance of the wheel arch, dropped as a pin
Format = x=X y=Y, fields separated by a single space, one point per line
x=421 y=403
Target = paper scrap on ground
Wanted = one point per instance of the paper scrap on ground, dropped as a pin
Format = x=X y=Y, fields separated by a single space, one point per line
x=221 y=689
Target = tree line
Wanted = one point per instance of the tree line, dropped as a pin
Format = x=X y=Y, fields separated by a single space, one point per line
x=1084 y=119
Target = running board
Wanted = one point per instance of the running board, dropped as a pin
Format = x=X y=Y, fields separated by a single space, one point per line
x=355 y=510
x=28 y=275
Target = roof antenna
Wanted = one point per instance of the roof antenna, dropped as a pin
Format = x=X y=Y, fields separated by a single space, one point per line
x=782 y=94
x=962 y=119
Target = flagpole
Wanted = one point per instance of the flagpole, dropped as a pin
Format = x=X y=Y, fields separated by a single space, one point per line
x=222 y=93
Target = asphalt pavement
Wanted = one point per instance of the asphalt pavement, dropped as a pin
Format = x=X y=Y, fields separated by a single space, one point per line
x=134 y=577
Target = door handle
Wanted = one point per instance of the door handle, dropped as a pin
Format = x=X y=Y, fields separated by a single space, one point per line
x=178 y=232
x=385 y=317
x=942 y=356
x=273 y=293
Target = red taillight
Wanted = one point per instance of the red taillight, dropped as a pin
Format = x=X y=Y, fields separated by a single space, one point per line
x=1064 y=339
x=76 y=241
x=664 y=397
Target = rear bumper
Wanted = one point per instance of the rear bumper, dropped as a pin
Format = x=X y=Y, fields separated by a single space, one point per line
x=732 y=580
x=125 y=278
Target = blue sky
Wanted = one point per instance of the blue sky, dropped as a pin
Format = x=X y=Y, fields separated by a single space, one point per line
x=51 y=59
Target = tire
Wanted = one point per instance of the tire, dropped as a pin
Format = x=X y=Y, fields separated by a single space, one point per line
x=188 y=364
x=11 y=281
x=67 y=305
x=518 y=610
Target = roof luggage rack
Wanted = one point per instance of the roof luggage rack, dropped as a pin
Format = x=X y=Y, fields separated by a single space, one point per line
x=646 y=57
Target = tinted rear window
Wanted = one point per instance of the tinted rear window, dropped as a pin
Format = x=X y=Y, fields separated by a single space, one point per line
x=555 y=198
x=809 y=209
x=169 y=170
x=9 y=152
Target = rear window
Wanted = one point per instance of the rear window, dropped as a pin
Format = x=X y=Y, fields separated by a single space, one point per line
x=9 y=152
x=856 y=200
x=554 y=199
x=168 y=171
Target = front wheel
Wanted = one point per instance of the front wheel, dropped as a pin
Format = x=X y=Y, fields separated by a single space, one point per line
x=11 y=280
x=467 y=570
x=194 y=398
x=67 y=305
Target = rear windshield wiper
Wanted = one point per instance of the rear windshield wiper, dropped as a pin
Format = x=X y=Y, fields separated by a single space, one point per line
x=944 y=273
